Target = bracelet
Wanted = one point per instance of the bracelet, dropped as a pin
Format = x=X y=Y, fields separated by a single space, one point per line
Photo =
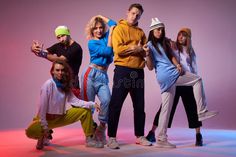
x=43 y=54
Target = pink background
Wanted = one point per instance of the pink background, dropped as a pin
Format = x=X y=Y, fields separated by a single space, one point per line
x=22 y=73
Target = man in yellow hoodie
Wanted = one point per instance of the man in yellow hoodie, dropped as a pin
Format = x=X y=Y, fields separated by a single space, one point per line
x=128 y=40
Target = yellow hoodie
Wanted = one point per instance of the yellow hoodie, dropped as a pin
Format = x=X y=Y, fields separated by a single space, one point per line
x=123 y=37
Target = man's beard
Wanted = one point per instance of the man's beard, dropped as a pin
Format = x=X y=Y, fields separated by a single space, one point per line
x=66 y=43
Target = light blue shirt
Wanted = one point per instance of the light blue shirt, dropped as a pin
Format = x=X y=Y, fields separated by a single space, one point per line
x=166 y=72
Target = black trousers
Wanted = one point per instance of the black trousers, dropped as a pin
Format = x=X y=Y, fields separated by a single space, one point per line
x=127 y=80
x=186 y=93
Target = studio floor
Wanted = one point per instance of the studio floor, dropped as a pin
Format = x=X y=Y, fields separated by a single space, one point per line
x=69 y=142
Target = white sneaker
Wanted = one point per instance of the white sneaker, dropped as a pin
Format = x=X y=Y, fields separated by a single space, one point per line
x=90 y=142
x=207 y=115
x=99 y=144
x=143 y=141
x=164 y=144
x=100 y=136
x=112 y=143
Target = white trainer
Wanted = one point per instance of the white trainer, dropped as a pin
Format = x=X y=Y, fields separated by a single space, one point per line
x=143 y=141
x=207 y=115
x=90 y=142
x=164 y=144
x=112 y=143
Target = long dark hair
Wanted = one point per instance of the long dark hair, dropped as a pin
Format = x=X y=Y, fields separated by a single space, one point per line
x=165 y=43
x=66 y=78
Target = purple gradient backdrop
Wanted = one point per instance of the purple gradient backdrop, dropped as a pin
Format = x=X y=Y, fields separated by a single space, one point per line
x=22 y=73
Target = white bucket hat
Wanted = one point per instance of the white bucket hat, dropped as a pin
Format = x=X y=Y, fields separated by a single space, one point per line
x=156 y=23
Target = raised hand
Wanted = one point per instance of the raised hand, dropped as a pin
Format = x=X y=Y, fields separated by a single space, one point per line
x=36 y=47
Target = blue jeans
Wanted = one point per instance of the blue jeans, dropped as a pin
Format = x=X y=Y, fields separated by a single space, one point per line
x=95 y=82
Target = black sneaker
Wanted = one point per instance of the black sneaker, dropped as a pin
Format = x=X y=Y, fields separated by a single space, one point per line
x=50 y=134
x=151 y=137
x=199 y=141
x=40 y=144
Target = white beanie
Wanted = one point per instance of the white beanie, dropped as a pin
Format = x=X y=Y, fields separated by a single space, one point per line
x=156 y=23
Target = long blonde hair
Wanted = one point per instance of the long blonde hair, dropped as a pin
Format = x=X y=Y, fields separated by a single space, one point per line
x=92 y=24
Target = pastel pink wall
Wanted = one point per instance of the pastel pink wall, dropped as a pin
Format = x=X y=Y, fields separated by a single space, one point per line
x=22 y=73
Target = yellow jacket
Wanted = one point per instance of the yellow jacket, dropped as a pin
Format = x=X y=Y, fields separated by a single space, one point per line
x=123 y=37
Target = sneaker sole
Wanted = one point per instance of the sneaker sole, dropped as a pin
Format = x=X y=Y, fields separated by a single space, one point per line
x=207 y=117
x=113 y=147
x=143 y=144
x=158 y=146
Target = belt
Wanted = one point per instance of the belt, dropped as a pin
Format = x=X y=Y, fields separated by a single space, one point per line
x=98 y=67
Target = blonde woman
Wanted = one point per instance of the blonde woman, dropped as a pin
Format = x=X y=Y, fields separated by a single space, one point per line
x=94 y=77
